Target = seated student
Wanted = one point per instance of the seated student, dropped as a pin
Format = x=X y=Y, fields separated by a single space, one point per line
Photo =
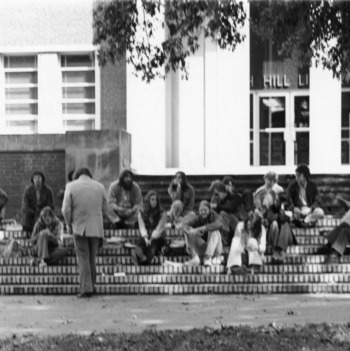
x=151 y=224
x=202 y=236
x=182 y=196
x=227 y=206
x=270 y=180
x=246 y=196
x=249 y=242
x=338 y=238
x=35 y=198
x=279 y=232
x=3 y=201
x=304 y=199
x=125 y=199
x=47 y=238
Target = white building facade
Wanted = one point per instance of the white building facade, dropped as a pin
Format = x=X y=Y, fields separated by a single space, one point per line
x=236 y=114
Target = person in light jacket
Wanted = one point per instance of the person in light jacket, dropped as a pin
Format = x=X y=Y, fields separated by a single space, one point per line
x=84 y=204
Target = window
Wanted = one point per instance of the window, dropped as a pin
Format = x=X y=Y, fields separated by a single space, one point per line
x=21 y=94
x=78 y=91
x=345 y=127
x=251 y=129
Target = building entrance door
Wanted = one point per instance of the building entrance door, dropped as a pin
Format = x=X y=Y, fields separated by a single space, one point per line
x=280 y=128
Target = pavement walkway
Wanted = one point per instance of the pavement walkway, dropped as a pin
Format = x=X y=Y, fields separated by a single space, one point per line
x=54 y=315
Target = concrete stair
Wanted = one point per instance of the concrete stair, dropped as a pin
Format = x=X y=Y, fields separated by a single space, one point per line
x=303 y=271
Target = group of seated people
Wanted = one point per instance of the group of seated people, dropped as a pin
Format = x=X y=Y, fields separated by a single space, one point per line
x=229 y=227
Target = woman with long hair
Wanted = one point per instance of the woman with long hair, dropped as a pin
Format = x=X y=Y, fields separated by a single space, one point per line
x=249 y=243
x=151 y=224
x=47 y=238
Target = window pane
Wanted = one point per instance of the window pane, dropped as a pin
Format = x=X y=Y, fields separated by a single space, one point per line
x=21 y=109
x=345 y=159
x=21 y=127
x=345 y=134
x=77 y=61
x=272 y=149
x=20 y=62
x=21 y=78
x=272 y=112
x=78 y=93
x=21 y=93
x=301 y=111
x=79 y=108
x=251 y=112
x=301 y=148
x=79 y=125
x=78 y=77
x=345 y=109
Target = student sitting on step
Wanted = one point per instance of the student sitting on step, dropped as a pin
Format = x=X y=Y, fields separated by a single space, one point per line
x=279 y=231
x=228 y=206
x=248 y=245
x=202 y=236
x=182 y=195
x=304 y=199
x=125 y=199
x=338 y=238
x=47 y=239
x=152 y=221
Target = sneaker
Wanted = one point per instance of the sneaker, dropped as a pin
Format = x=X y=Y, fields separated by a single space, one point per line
x=195 y=261
x=32 y=262
x=217 y=260
x=207 y=262
x=42 y=264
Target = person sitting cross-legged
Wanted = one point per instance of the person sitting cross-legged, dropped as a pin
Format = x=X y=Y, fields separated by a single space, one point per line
x=47 y=238
x=279 y=232
x=202 y=236
x=304 y=199
x=151 y=224
x=125 y=199
x=248 y=243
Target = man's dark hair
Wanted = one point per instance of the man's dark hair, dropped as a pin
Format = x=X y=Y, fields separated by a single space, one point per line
x=218 y=186
x=304 y=169
x=227 y=180
x=122 y=176
x=82 y=171
x=71 y=175
x=39 y=173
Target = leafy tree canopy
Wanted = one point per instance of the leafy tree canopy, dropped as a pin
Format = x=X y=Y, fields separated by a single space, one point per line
x=304 y=31
x=130 y=27
x=307 y=31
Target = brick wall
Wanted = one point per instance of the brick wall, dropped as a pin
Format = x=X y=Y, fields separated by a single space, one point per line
x=16 y=169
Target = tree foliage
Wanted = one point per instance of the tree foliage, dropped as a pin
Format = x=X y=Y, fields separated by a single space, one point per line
x=304 y=31
x=307 y=31
x=130 y=27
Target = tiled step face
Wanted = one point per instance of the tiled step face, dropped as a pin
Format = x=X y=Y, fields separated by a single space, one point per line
x=182 y=279
x=172 y=289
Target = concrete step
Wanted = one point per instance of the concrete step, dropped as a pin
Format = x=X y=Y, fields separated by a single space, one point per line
x=172 y=289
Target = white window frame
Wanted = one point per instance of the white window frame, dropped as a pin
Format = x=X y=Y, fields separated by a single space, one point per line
x=19 y=117
x=96 y=117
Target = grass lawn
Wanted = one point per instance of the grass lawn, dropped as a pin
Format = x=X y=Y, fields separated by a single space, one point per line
x=271 y=337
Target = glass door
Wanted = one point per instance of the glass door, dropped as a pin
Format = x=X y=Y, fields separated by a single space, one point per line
x=272 y=127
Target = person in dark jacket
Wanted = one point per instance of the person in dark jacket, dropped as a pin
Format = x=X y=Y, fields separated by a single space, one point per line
x=279 y=231
x=182 y=195
x=37 y=196
x=304 y=198
x=152 y=221
x=3 y=201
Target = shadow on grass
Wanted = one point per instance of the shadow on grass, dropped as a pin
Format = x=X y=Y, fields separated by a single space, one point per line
x=271 y=337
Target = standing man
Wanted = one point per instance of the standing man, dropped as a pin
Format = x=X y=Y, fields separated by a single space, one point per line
x=84 y=204
x=35 y=198
x=304 y=199
x=125 y=199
